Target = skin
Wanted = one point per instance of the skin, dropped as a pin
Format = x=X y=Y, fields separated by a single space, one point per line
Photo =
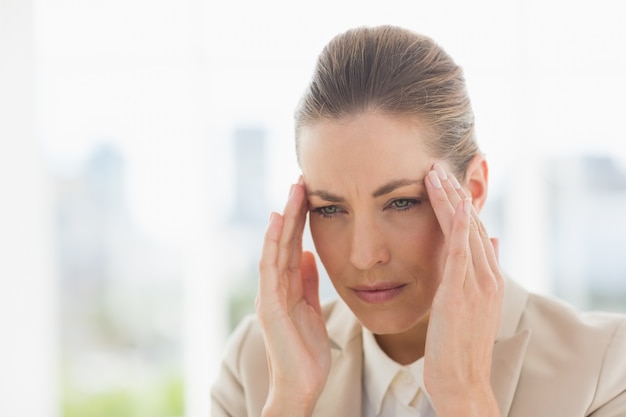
x=405 y=249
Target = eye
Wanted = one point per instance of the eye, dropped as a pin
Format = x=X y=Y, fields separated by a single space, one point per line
x=403 y=204
x=327 y=211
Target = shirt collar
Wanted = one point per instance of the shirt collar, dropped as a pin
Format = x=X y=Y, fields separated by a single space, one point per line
x=379 y=371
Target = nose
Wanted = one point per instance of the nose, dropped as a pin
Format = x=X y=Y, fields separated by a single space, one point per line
x=368 y=244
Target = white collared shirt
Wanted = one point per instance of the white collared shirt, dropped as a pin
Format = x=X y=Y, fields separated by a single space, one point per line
x=391 y=389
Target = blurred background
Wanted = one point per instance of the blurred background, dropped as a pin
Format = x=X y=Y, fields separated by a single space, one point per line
x=144 y=143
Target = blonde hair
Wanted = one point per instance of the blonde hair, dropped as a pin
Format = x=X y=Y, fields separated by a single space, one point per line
x=401 y=74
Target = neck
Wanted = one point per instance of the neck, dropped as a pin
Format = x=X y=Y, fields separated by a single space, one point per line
x=406 y=347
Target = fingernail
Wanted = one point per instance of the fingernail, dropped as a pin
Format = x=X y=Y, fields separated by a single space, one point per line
x=455 y=182
x=441 y=172
x=271 y=217
x=293 y=187
x=467 y=205
x=434 y=179
x=301 y=180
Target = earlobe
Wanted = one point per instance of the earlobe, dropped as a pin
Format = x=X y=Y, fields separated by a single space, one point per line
x=477 y=181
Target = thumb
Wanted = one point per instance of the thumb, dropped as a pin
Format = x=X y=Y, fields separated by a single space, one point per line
x=310 y=281
x=496 y=247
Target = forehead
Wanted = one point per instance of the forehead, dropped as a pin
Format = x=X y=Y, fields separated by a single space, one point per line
x=368 y=144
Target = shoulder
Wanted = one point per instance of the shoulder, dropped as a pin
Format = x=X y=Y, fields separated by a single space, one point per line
x=584 y=351
x=245 y=341
x=555 y=324
x=232 y=393
x=553 y=318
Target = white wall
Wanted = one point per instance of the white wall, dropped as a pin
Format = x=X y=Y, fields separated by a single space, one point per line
x=28 y=327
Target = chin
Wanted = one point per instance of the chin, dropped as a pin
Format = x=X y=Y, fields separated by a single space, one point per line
x=391 y=321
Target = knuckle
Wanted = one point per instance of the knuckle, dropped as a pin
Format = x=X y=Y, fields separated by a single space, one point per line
x=491 y=289
x=461 y=254
x=482 y=229
x=474 y=227
x=293 y=269
x=441 y=197
x=285 y=246
x=265 y=266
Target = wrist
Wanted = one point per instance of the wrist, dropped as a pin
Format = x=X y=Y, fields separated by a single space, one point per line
x=477 y=401
x=287 y=407
x=281 y=411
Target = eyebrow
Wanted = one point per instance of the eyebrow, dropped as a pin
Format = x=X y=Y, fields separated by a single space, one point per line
x=326 y=196
x=380 y=191
x=395 y=184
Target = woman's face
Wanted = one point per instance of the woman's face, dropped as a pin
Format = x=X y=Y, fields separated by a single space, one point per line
x=371 y=221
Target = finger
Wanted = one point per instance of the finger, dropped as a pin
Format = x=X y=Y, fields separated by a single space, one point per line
x=491 y=249
x=445 y=193
x=459 y=255
x=495 y=242
x=487 y=255
x=484 y=255
x=450 y=185
x=289 y=252
x=486 y=251
x=284 y=245
x=481 y=271
x=476 y=225
x=484 y=273
x=440 y=202
x=300 y=195
x=310 y=281
x=270 y=282
x=294 y=266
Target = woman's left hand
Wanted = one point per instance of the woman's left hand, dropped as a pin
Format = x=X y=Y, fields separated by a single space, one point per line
x=466 y=310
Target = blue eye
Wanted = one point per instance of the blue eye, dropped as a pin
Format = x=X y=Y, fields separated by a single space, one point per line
x=403 y=204
x=327 y=211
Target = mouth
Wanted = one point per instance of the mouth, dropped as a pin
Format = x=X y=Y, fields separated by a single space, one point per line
x=378 y=293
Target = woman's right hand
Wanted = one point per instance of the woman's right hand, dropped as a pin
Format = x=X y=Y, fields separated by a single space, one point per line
x=288 y=307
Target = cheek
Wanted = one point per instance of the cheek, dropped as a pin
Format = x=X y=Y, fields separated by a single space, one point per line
x=329 y=239
x=418 y=236
x=332 y=244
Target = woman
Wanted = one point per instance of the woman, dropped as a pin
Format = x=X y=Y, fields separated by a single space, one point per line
x=393 y=183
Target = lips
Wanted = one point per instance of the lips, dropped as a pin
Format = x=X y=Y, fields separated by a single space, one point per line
x=378 y=293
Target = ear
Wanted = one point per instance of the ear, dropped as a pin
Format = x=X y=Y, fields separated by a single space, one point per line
x=477 y=180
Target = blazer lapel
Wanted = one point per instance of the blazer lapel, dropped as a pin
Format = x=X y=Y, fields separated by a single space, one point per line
x=508 y=357
x=510 y=348
x=342 y=393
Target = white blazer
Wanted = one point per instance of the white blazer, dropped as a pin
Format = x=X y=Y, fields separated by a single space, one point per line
x=549 y=360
